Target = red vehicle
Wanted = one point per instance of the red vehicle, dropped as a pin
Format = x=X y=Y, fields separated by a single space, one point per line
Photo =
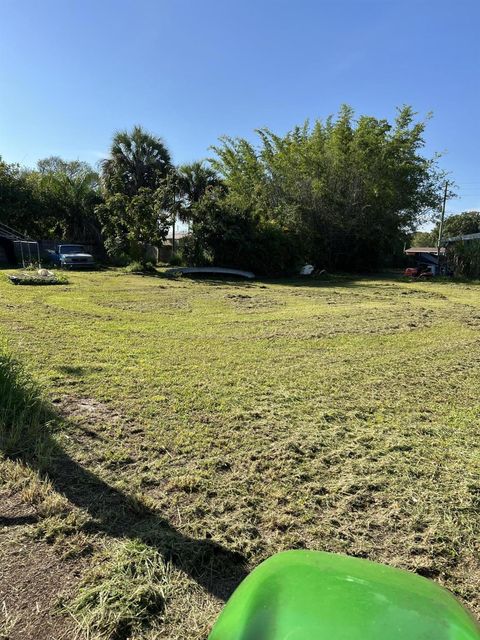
x=422 y=271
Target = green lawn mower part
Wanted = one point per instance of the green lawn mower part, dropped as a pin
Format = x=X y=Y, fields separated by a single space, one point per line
x=312 y=595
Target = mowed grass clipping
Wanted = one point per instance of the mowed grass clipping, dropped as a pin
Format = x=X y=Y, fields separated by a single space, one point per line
x=220 y=422
x=123 y=595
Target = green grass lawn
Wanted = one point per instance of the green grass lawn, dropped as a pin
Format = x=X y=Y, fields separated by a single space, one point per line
x=204 y=425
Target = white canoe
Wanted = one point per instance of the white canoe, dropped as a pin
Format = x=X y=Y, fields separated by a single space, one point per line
x=218 y=270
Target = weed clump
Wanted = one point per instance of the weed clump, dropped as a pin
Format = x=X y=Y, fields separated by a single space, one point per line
x=123 y=595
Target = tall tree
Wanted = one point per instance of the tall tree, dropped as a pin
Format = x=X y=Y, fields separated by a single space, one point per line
x=17 y=200
x=72 y=191
x=349 y=189
x=56 y=200
x=461 y=224
x=128 y=224
x=139 y=184
x=137 y=160
x=194 y=180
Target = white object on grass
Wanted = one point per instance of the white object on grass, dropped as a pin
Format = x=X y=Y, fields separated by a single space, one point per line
x=307 y=270
x=218 y=270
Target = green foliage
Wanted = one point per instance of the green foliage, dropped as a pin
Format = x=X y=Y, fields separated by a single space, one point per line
x=230 y=237
x=464 y=256
x=342 y=194
x=273 y=251
x=137 y=160
x=56 y=200
x=71 y=191
x=219 y=232
x=459 y=224
x=424 y=239
x=462 y=224
x=346 y=189
x=24 y=417
x=194 y=180
x=147 y=219
x=112 y=214
x=138 y=188
x=139 y=266
x=176 y=259
x=124 y=594
x=19 y=203
x=128 y=224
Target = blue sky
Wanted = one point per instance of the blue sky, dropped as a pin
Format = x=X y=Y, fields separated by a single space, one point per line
x=73 y=71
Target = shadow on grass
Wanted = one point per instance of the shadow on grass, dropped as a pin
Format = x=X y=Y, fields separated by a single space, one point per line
x=218 y=280
x=214 y=567
x=26 y=436
x=15 y=521
x=75 y=371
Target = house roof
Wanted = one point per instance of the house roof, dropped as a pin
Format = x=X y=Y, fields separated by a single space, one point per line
x=179 y=235
x=414 y=250
x=468 y=236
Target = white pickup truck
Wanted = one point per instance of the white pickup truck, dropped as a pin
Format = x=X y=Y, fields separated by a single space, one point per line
x=72 y=256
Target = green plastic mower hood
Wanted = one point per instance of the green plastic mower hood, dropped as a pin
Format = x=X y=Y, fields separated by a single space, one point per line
x=311 y=595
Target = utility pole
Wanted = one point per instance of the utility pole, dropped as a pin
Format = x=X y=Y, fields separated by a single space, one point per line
x=174 y=222
x=174 y=217
x=442 y=219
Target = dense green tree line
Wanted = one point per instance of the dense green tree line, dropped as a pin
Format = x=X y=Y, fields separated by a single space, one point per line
x=346 y=191
x=57 y=199
x=343 y=194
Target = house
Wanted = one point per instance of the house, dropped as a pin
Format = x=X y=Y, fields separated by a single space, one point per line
x=427 y=256
x=467 y=237
x=166 y=250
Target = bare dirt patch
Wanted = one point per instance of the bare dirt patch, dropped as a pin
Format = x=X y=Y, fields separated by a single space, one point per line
x=86 y=410
x=31 y=580
x=14 y=512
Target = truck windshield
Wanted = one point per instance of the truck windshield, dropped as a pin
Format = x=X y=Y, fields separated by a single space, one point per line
x=71 y=248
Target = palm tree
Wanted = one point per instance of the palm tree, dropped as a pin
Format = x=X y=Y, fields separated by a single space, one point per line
x=193 y=180
x=137 y=159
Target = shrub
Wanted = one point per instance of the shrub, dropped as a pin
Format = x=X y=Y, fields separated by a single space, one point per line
x=176 y=260
x=274 y=252
x=195 y=250
x=139 y=266
x=226 y=236
x=120 y=260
